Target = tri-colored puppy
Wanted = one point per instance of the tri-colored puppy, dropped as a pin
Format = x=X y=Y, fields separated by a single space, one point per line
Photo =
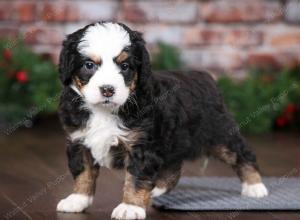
x=119 y=114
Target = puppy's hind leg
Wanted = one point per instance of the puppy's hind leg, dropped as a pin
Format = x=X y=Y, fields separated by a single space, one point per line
x=243 y=161
x=166 y=180
x=85 y=174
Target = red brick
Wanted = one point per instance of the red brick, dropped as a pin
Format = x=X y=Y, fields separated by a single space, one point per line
x=243 y=38
x=203 y=36
x=218 y=45
x=171 y=34
x=211 y=37
x=286 y=39
x=6 y=10
x=133 y=13
x=222 y=36
x=97 y=10
x=273 y=59
x=263 y=60
x=43 y=35
x=78 y=10
x=25 y=11
x=240 y=11
x=22 y=11
x=220 y=60
x=161 y=11
x=281 y=36
x=58 y=12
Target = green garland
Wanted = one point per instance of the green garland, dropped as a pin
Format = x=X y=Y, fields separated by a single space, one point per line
x=264 y=100
x=29 y=84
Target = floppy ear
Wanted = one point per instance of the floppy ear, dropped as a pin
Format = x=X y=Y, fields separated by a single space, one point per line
x=142 y=55
x=68 y=55
x=66 y=63
x=145 y=66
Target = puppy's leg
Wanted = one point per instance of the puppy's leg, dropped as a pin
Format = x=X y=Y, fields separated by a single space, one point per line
x=85 y=174
x=244 y=163
x=166 y=181
x=136 y=196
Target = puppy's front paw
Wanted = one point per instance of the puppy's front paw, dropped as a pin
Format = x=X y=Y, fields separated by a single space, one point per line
x=74 y=203
x=128 y=212
x=257 y=190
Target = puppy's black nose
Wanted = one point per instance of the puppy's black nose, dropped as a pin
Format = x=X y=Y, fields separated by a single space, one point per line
x=107 y=90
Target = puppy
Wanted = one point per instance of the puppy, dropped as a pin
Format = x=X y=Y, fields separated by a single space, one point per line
x=118 y=114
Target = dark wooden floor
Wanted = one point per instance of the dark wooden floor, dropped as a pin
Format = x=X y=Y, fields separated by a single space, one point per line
x=34 y=177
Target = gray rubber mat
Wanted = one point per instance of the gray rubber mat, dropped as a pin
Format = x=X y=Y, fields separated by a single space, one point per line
x=223 y=193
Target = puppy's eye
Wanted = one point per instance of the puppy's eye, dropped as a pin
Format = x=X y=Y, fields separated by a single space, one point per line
x=124 y=66
x=89 y=65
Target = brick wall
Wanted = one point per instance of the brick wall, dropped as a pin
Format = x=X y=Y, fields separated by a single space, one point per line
x=224 y=35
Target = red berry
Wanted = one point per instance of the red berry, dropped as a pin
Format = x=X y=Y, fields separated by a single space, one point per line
x=7 y=54
x=290 y=108
x=22 y=77
x=281 y=121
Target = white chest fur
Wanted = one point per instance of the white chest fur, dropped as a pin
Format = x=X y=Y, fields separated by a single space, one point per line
x=101 y=132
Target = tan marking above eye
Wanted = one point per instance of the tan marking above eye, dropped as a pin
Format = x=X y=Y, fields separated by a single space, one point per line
x=122 y=57
x=95 y=58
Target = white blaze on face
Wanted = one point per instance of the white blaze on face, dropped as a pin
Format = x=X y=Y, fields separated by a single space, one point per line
x=105 y=42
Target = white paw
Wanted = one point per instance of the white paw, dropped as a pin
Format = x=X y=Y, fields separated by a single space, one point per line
x=257 y=190
x=74 y=203
x=127 y=211
x=158 y=192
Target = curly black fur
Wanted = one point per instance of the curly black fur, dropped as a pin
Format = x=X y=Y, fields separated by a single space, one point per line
x=75 y=157
x=182 y=115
